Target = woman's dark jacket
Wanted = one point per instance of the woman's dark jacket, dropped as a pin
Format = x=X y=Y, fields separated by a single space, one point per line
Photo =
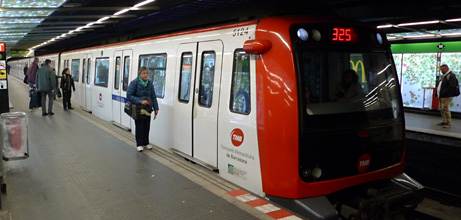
x=137 y=92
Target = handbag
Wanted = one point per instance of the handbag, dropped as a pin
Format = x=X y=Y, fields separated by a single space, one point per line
x=128 y=108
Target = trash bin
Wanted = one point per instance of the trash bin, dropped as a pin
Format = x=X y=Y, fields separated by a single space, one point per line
x=15 y=144
x=435 y=99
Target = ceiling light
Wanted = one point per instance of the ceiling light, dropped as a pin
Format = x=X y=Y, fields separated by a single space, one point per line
x=451 y=34
x=121 y=12
x=420 y=36
x=143 y=3
x=418 y=23
x=453 y=20
x=385 y=26
x=102 y=19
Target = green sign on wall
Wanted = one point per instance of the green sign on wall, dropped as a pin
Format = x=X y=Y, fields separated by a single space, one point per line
x=453 y=46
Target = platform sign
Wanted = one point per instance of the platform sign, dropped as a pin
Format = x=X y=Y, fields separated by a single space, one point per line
x=4 y=100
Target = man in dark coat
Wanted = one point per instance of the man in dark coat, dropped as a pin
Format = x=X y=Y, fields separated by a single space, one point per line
x=46 y=84
x=447 y=89
x=67 y=86
x=31 y=77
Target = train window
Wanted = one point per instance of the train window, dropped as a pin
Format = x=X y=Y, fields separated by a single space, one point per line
x=117 y=73
x=84 y=71
x=156 y=63
x=207 y=78
x=126 y=72
x=75 y=69
x=343 y=83
x=240 y=88
x=101 y=72
x=184 y=78
x=88 y=68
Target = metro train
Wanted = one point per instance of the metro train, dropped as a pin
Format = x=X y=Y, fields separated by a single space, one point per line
x=255 y=101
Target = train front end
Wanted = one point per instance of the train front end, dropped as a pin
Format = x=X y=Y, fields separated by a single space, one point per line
x=330 y=118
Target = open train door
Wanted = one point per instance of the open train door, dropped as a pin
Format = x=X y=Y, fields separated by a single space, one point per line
x=123 y=69
x=88 y=81
x=206 y=102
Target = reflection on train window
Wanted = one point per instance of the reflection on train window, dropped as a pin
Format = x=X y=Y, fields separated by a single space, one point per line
x=156 y=63
x=240 y=89
x=75 y=69
x=184 y=78
x=84 y=71
x=207 y=78
x=349 y=83
x=101 y=72
x=126 y=72
x=117 y=73
x=88 y=68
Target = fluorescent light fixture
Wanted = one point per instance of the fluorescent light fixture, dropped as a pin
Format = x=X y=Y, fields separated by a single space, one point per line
x=385 y=26
x=420 y=36
x=143 y=3
x=391 y=38
x=451 y=34
x=418 y=23
x=453 y=20
x=121 y=12
x=102 y=19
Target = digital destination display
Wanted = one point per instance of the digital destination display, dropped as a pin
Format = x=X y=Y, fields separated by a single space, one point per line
x=343 y=34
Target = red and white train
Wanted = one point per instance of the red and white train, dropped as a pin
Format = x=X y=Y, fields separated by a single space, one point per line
x=255 y=102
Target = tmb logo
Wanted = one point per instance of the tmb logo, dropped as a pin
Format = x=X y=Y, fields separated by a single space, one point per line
x=237 y=137
x=364 y=162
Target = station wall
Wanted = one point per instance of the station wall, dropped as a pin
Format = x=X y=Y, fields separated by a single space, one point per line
x=417 y=69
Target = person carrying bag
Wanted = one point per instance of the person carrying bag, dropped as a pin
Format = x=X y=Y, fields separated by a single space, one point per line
x=141 y=95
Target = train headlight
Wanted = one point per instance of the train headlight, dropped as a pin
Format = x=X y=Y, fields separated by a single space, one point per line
x=379 y=38
x=302 y=34
x=316 y=172
x=316 y=35
x=307 y=173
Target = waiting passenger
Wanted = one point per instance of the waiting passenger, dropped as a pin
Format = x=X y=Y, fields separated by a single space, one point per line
x=46 y=84
x=67 y=83
x=349 y=87
x=141 y=92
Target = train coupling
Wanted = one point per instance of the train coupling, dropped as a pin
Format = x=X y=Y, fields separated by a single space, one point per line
x=390 y=199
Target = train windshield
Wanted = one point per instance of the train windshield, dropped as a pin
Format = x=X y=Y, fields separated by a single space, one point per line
x=347 y=88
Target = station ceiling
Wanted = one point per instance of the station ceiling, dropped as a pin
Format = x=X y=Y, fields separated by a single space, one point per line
x=52 y=25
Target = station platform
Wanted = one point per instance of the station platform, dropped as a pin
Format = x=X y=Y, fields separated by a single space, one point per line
x=427 y=123
x=81 y=167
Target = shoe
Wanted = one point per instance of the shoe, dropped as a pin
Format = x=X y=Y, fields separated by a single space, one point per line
x=442 y=124
x=139 y=148
x=144 y=112
x=148 y=147
x=43 y=114
x=31 y=109
x=50 y=113
x=70 y=108
x=447 y=125
x=65 y=109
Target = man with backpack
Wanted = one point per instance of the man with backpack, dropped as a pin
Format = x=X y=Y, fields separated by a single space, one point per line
x=447 y=89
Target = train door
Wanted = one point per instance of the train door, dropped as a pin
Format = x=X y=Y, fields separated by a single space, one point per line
x=184 y=97
x=121 y=75
x=206 y=101
x=89 y=78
